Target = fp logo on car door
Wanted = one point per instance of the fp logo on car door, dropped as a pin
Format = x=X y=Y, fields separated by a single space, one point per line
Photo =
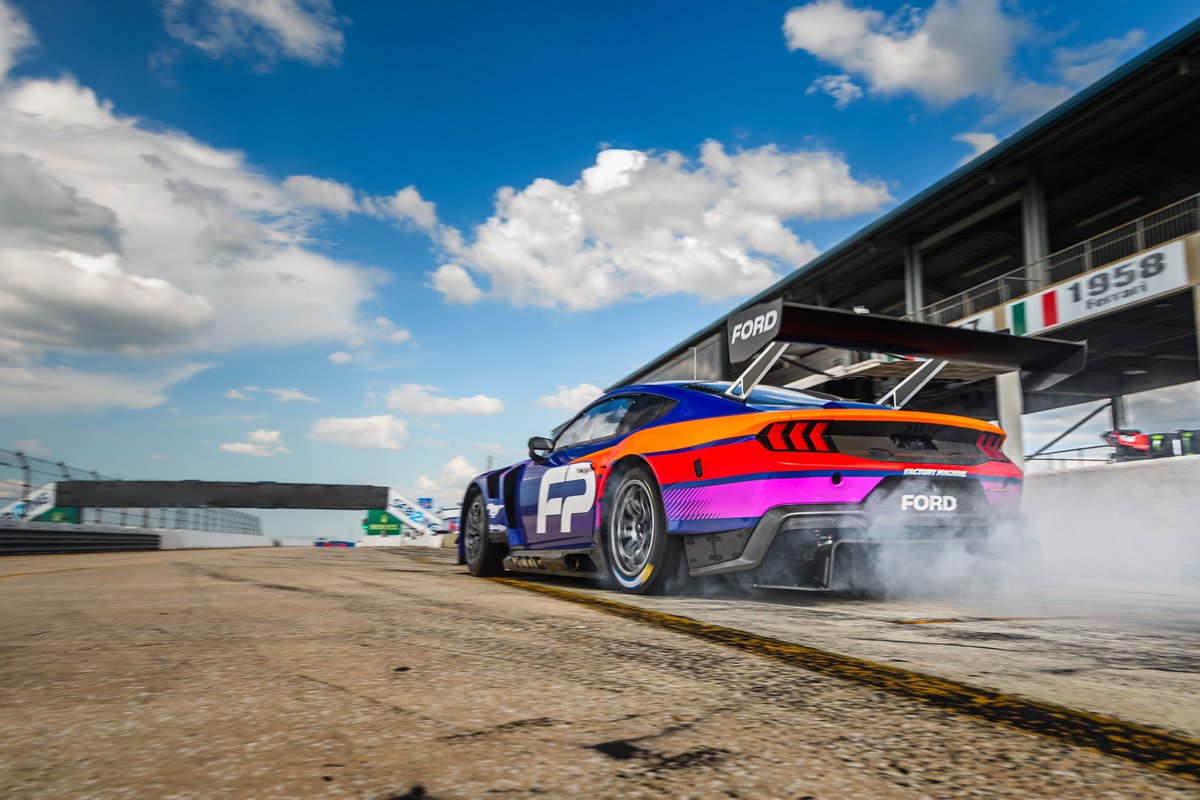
x=564 y=492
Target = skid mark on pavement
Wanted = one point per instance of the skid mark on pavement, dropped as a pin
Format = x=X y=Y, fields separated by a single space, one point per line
x=945 y=620
x=1157 y=749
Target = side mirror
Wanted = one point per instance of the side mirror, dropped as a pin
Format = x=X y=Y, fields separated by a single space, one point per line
x=539 y=448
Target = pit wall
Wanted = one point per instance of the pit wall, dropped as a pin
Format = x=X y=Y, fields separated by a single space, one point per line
x=440 y=540
x=1137 y=519
x=183 y=540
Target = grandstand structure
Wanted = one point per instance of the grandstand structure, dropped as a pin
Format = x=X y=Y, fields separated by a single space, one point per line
x=1084 y=225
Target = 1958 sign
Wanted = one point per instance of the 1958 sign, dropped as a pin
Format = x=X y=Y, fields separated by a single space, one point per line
x=1147 y=275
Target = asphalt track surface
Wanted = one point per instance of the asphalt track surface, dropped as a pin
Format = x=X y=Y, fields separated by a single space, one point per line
x=384 y=674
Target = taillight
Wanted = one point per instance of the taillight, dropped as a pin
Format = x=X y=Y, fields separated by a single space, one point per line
x=796 y=436
x=989 y=445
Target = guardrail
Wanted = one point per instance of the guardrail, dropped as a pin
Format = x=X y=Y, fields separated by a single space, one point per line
x=1173 y=221
x=1071 y=457
x=35 y=538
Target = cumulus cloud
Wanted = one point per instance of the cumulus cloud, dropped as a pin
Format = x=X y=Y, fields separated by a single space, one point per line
x=321 y=193
x=449 y=484
x=32 y=447
x=302 y=30
x=292 y=395
x=262 y=443
x=638 y=225
x=413 y=398
x=15 y=37
x=841 y=88
x=238 y=394
x=390 y=333
x=1081 y=66
x=456 y=284
x=570 y=398
x=50 y=390
x=340 y=357
x=207 y=254
x=952 y=50
x=66 y=300
x=979 y=142
x=381 y=432
x=1168 y=408
x=955 y=49
x=41 y=211
x=406 y=205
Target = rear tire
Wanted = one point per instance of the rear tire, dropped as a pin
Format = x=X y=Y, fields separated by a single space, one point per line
x=642 y=558
x=483 y=556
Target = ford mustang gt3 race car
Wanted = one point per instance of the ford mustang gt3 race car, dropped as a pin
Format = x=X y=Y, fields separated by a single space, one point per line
x=703 y=478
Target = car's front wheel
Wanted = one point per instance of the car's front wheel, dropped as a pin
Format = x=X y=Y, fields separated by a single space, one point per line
x=483 y=556
x=641 y=556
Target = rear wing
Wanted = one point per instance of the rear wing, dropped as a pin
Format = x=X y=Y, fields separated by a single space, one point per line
x=765 y=330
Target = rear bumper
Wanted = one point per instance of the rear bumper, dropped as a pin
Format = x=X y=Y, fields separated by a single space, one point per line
x=814 y=537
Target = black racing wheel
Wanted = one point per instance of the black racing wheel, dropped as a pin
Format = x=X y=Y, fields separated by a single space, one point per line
x=641 y=556
x=484 y=557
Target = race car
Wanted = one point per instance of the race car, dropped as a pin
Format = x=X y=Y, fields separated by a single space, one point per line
x=795 y=489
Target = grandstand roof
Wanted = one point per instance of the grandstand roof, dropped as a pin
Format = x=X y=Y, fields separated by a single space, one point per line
x=1122 y=148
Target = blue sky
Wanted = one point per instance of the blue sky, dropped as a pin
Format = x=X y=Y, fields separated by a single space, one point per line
x=378 y=242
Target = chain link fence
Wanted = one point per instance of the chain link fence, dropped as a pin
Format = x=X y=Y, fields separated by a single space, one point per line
x=1152 y=230
x=21 y=474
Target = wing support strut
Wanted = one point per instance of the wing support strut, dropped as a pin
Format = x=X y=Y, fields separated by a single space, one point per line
x=908 y=388
x=753 y=375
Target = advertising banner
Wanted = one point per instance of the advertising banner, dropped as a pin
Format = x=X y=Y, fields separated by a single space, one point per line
x=411 y=514
x=1146 y=275
x=985 y=321
x=381 y=523
x=32 y=505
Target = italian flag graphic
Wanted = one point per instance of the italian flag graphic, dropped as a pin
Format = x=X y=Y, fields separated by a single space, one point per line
x=1033 y=313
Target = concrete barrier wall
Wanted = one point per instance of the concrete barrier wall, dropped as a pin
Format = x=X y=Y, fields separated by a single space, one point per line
x=182 y=540
x=440 y=540
x=1139 y=519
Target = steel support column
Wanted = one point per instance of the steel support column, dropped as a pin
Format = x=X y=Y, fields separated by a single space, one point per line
x=1035 y=232
x=1118 y=413
x=1196 y=301
x=1010 y=405
x=914 y=291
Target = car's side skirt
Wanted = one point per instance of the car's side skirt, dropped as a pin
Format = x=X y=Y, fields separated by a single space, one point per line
x=582 y=561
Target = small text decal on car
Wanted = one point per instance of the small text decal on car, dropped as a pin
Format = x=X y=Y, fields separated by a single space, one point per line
x=928 y=502
x=938 y=473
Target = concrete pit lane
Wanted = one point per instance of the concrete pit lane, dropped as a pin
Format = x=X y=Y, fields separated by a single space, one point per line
x=377 y=673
